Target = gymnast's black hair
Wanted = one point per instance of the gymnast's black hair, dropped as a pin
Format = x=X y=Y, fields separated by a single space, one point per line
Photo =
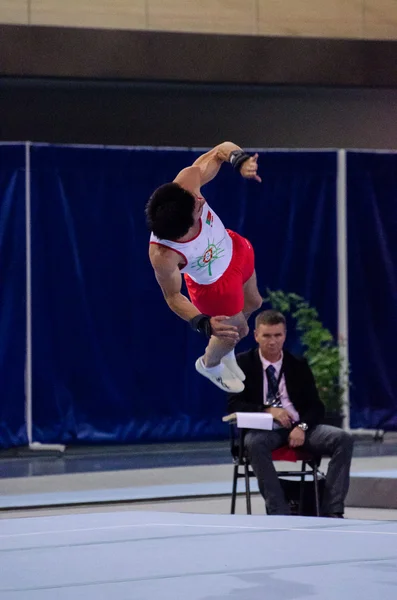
x=169 y=211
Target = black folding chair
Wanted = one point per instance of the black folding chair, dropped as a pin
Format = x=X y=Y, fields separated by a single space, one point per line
x=310 y=467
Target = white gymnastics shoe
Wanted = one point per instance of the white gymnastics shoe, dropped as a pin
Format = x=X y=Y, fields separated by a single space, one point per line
x=221 y=376
x=231 y=363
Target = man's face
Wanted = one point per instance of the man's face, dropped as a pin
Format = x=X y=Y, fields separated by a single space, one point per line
x=270 y=339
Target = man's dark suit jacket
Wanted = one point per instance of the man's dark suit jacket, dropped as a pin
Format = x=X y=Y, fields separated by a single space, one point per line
x=299 y=380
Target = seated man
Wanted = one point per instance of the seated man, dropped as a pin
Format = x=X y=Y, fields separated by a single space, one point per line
x=281 y=384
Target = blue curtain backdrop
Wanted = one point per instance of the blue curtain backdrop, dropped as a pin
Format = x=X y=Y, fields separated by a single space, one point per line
x=372 y=249
x=111 y=363
x=12 y=295
x=291 y=221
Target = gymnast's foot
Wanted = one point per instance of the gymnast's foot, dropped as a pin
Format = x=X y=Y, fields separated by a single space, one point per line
x=221 y=376
x=231 y=363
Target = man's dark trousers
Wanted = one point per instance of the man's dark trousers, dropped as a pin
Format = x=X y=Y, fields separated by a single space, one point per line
x=323 y=440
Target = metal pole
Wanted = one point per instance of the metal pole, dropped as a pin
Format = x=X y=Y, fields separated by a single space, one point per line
x=28 y=363
x=343 y=323
x=28 y=360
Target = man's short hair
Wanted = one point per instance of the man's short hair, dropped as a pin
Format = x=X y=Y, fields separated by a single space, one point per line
x=169 y=211
x=270 y=317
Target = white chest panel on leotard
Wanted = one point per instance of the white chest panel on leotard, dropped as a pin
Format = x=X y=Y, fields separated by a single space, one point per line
x=206 y=256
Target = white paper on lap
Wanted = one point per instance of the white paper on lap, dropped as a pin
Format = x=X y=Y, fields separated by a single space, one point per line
x=257 y=420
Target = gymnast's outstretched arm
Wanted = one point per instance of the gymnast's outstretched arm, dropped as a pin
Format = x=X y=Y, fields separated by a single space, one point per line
x=207 y=166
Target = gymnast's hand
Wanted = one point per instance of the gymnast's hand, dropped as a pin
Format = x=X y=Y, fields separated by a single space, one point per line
x=222 y=329
x=249 y=169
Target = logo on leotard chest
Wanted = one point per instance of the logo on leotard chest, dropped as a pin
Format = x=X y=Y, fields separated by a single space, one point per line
x=211 y=254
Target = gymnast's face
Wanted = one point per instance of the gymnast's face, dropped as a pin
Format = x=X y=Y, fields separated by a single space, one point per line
x=270 y=339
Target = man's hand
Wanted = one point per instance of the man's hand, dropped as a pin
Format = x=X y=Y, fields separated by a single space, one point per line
x=249 y=169
x=282 y=416
x=296 y=438
x=222 y=329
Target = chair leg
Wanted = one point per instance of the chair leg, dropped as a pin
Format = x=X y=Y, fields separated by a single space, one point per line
x=302 y=487
x=247 y=489
x=234 y=490
x=316 y=494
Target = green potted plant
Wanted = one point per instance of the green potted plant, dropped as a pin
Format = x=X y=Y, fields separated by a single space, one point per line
x=320 y=349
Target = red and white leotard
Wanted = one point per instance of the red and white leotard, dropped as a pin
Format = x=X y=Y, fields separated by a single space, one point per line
x=207 y=255
x=216 y=264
